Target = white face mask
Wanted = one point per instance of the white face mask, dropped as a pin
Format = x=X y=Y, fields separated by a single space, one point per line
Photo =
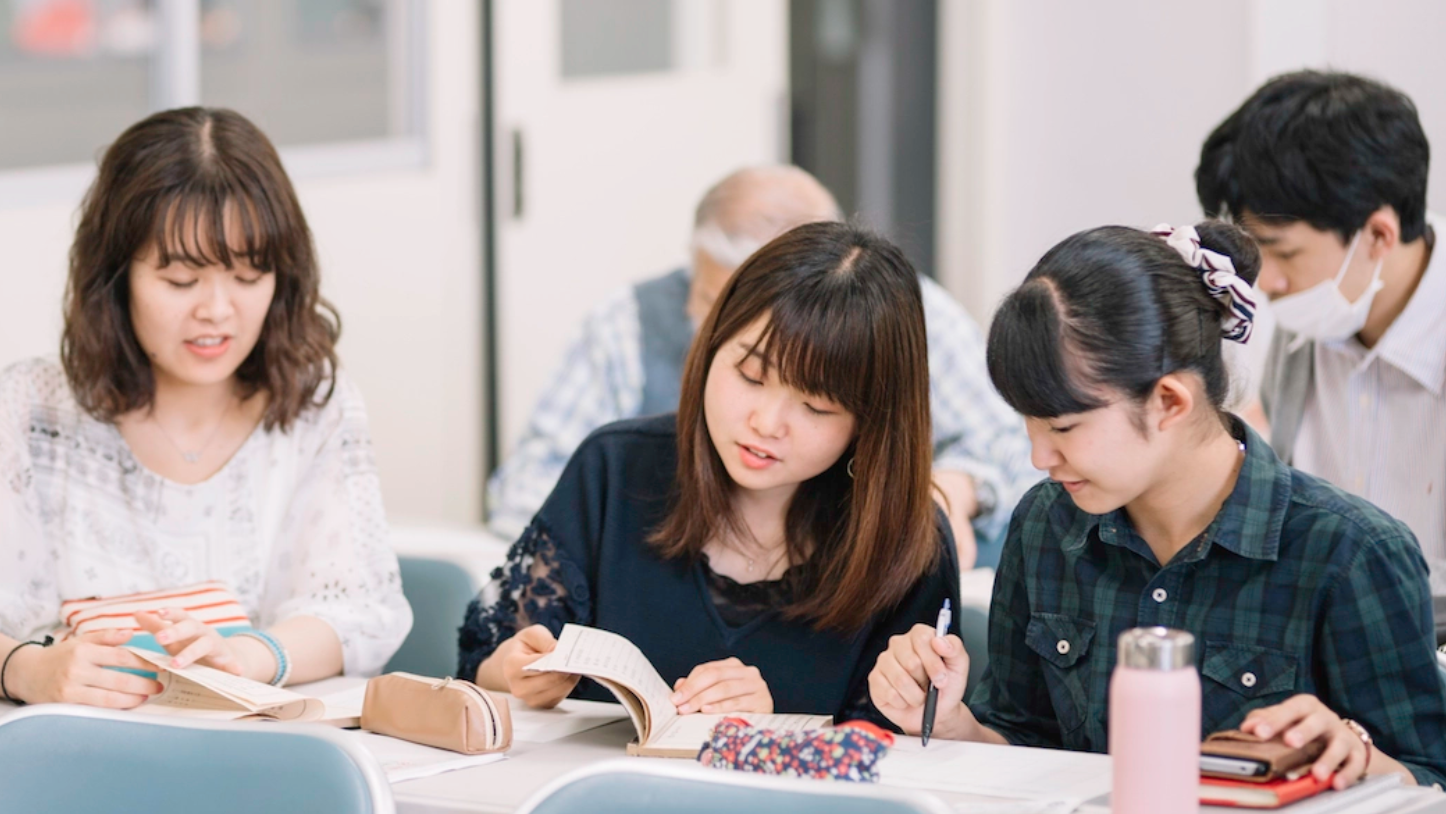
x=1322 y=312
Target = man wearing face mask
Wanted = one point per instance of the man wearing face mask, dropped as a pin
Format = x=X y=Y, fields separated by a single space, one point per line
x=628 y=362
x=1328 y=172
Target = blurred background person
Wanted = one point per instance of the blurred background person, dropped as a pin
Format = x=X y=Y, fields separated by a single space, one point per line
x=1328 y=172
x=628 y=362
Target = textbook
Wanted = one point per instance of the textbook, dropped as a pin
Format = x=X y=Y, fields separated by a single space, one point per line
x=618 y=664
x=198 y=691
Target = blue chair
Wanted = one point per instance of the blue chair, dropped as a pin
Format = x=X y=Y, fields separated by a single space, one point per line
x=973 y=624
x=632 y=786
x=64 y=758
x=438 y=591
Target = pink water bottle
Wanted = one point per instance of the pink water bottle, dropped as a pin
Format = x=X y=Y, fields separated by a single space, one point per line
x=1155 y=723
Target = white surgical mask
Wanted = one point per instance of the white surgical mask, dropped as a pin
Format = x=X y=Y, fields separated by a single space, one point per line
x=1322 y=312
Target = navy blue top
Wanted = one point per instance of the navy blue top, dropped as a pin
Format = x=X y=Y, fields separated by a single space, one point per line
x=584 y=559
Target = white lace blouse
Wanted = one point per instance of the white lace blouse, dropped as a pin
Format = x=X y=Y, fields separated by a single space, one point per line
x=293 y=523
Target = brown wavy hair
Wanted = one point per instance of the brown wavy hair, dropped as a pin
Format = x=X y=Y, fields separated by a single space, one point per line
x=170 y=182
x=845 y=321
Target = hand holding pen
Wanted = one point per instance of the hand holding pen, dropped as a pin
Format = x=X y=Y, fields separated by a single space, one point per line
x=917 y=662
x=931 y=698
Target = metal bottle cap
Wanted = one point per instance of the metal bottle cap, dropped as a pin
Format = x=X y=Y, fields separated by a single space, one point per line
x=1157 y=648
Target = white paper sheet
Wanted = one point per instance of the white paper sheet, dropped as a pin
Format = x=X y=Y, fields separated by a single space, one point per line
x=404 y=760
x=1044 y=775
x=568 y=718
x=1016 y=807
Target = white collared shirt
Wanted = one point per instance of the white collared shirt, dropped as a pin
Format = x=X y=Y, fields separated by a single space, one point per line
x=1375 y=419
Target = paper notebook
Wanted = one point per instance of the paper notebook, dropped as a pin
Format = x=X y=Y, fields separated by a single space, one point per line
x=203 y=692
x=1217 y=791
x=618 y=664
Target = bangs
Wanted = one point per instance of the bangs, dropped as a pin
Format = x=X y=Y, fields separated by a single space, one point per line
x=819 y=348
x=209 y=225
x=1027 y=357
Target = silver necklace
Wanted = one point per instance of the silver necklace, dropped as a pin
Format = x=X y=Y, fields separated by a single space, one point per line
x=194 y=457
x=750 y=562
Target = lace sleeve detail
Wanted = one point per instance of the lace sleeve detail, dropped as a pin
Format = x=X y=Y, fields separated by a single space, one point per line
x=538 y=585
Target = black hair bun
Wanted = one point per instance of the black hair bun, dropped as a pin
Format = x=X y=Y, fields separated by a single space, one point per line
x=1233 y=242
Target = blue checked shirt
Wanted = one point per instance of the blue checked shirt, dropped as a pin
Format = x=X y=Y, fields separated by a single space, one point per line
x=1295 y=587
x=601 y=381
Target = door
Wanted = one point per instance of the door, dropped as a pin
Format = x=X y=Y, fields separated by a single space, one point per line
x=611 y=119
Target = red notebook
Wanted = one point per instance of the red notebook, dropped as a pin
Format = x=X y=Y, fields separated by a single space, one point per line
x=1216 y=791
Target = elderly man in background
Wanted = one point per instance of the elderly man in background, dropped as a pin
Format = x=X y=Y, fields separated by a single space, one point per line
x=629 y=362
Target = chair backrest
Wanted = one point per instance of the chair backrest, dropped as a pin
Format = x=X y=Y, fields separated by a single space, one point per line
x=63 y=758
x=632 y=786
x=973 y=625
x=438 y=591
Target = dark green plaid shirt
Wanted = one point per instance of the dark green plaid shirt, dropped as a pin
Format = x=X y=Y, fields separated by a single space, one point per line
x=1296 y=587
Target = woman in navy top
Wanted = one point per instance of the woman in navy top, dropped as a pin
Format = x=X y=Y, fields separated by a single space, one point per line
x=762 y=545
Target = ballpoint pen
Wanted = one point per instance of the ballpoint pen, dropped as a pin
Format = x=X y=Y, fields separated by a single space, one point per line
x=931 y=698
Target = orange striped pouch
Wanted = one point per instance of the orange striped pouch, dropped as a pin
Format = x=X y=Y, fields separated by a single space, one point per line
x=210 y=602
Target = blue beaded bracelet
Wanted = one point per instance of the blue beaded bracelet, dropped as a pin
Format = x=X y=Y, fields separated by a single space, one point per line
x=283 y=664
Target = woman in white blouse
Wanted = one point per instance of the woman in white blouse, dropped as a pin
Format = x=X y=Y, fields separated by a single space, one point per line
x=196 y=428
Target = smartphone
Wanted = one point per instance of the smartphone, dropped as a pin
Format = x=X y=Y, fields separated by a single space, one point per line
x=1233 y=766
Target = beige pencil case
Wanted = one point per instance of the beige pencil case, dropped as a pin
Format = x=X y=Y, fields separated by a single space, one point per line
x=447 y=713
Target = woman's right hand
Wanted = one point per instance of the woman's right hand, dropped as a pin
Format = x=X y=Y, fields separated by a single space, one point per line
x=75 y=672
x=901 y=676
x=537 y=690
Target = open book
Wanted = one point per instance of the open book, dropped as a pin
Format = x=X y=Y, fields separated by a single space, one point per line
x=203 y=692
x=618 y=664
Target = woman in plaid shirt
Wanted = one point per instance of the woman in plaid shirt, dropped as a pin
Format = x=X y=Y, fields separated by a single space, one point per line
x=1310 y=605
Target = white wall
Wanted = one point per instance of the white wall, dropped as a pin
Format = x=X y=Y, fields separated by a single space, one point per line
x=1056 y=116
x=614 y=167
x=400 y=257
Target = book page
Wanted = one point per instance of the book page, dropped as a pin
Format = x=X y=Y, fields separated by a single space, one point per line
x=182 y=697
x=343 y=708
x=692 y=731
x=251 y=696
x=599 y=654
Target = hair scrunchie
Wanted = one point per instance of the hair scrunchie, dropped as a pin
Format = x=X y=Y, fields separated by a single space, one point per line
x=1217 y=273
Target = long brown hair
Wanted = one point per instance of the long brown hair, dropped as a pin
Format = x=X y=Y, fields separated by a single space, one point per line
x=171 y=181
x=845 y=321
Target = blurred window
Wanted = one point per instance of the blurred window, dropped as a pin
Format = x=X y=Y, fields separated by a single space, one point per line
x=310 y=73
x=73 y=74
x=620 y=37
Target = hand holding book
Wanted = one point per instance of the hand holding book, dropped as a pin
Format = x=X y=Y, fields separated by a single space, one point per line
x=189 y=640
x=539 y=690
x=1342 y=747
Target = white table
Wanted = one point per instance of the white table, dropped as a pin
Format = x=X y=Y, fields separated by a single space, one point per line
x=505 y=785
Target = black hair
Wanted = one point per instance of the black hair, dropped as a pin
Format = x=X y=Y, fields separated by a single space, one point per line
x=1109 y=311
x=1325 y=148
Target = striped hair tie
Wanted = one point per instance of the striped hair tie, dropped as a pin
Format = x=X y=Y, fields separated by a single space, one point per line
x=1217 y=272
